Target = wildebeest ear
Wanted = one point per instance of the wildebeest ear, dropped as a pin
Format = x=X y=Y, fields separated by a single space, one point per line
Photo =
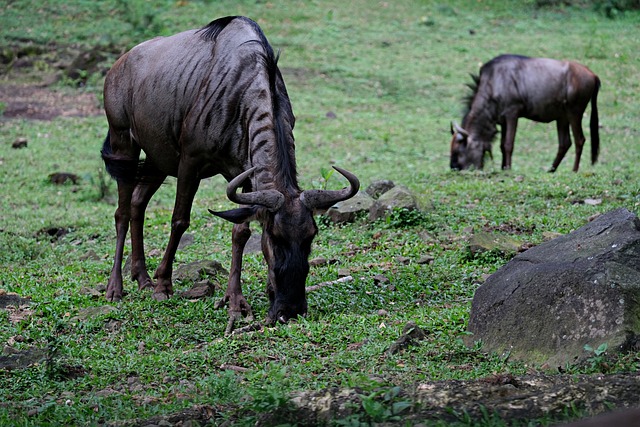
x=238 y=215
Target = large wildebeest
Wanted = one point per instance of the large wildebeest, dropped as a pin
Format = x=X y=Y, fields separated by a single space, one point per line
x=206 y=102
x=539 y=89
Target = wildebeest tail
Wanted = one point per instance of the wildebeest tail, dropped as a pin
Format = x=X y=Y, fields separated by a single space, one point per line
x=125 y=170
x=593 y=125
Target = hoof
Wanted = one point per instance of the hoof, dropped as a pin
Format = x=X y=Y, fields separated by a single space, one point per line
x=145 y=285
x=113 y=296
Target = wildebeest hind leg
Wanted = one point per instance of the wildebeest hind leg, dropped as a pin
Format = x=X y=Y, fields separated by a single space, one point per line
x=122 y=217
x=578 y=138
x=564 y=142
x=188 y=183
x=238 y=305
x=140 y=199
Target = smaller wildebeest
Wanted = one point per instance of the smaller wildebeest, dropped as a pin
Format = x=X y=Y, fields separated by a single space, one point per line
x=206 y=102
x=539 y=89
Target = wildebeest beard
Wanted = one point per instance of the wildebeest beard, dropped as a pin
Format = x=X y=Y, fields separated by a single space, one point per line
x=286 y=287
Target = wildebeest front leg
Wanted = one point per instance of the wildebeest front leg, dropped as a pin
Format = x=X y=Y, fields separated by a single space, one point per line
x=564 y=142
x=122 y=217
x=238 y=305
x=140 y=199
x=187 y=187
x=507 y=138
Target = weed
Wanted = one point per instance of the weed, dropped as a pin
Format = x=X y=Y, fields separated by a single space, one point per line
x=403 y=218
x=598 y=360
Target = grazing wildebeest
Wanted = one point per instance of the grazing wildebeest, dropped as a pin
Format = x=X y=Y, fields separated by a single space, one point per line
x=539 y=89
x=206 y=102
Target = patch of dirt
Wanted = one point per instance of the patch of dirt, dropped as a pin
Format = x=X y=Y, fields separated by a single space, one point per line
x=29 y=74
x=554 y=397
x=35 y=102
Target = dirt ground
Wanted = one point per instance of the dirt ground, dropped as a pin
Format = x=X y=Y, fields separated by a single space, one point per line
x=45 y=82
x=26 y=92
x=28 y=101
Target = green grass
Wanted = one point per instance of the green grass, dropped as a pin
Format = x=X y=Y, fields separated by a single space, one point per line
x=393 y=74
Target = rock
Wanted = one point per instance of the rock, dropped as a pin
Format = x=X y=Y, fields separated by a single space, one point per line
x=411 y=333
x=316 y=262
x=620 y=418
x=344 y=272
x=347 y=210
x=580 y=289
x=198 y=270
x=426 y=259
x=380 y=279
x=12 y=299
x=92 y=292
x=60 y=178
x=378 y=188
x=22 y=359
x=403 y=260
x=399 y=197
x=484 y=241
x=254 y=244
x=187 y=239
x=92 y=312
x=200 y=290
x=89 y=255
x=509 y=398
x=19 y=143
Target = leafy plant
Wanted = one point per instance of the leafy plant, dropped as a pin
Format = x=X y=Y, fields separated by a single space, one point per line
x=403 y=218
x=384 y=406
x=598 y=360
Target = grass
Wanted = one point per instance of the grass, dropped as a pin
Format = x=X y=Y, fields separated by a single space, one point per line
x=393 y=74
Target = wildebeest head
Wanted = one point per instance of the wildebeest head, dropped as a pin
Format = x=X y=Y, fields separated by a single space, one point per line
x=288 y=229
x=467 y=150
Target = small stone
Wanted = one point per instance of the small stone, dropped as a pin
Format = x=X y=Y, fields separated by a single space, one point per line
x=592 y=202
x=200 y=290
x=318 y=262
x=426 y=259
x=187 y=239
x=380 y=279
x=344 y=272
x=19 y=143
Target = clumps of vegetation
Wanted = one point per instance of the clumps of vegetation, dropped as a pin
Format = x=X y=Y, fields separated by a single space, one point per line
x=610 y=8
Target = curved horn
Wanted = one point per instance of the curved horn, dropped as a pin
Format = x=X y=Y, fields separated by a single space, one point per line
x=270 y=199
x=323 y=199
x=458 y=129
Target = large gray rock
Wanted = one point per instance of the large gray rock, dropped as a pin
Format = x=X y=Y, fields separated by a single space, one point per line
x=347 y=210
x=398 y=197
x=379 y=187
x=580 y=289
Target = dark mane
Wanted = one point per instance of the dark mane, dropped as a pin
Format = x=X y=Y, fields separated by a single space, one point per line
x=468 y=99
x=285 y=170
x=210 y=31
x=285 y=163
x=483 y=120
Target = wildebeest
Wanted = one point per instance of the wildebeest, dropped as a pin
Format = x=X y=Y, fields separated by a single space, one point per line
x=206 y=102
x=539 y=89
